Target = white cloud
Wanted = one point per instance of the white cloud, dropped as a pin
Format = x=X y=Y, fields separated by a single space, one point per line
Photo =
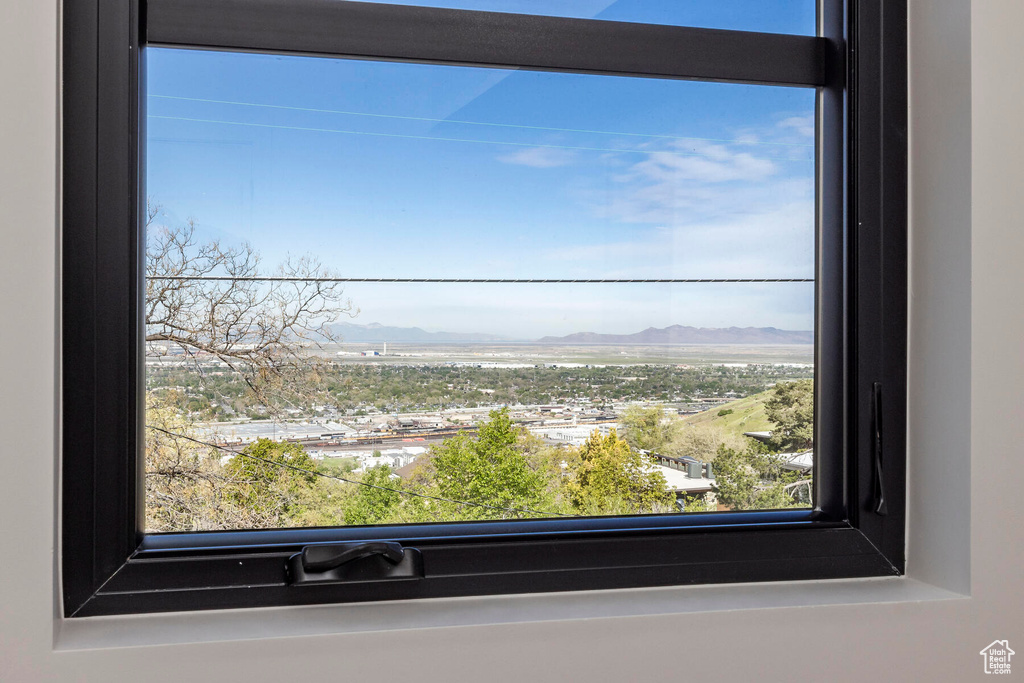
x=685 y=182
x=721 y=212
x=774 y=242
x=705 y=163
x=804 y=125
x=539 y=157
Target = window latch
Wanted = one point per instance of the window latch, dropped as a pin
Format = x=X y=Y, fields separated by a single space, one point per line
x=354 y=563
x=878 y=500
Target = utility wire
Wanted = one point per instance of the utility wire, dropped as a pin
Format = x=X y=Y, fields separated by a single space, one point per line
x=405 y=136
x=282 y=278
x=476 y=123
x=349 y=481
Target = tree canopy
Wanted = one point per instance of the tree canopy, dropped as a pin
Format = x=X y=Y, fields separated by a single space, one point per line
x=273 y=482
x=491 y=468
x=608 y=476
x=189 y=489
x=649 y=429
x=377 y=501
x=646 y=428
x=790 y=406
x=752 y=479
x=185 y=483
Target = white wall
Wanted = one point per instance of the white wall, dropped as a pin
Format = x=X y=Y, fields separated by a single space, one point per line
x=966 y=534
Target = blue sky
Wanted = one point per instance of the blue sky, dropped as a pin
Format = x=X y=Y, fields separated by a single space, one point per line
x=406 y=170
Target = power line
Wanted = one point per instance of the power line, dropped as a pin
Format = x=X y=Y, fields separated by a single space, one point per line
x=429 y=280
x=406 y=136
x=478 y=123
x=349 y=481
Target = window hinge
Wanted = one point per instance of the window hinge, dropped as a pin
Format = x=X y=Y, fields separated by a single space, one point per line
x=353 y=563
x=878 y=503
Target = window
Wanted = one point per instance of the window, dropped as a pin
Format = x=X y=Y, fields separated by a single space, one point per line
x=554 y=230
x=182 y=92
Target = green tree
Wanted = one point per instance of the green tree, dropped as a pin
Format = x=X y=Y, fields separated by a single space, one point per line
x=550 y=463
x=697 y=502
x=492 y=469
x=374 y=503
x=185 y=482
x=608 y=476
x=646 y=428
x=272 y=484
x=188 y=489
x=701 y=441
x=791 y=408
x=752 y=479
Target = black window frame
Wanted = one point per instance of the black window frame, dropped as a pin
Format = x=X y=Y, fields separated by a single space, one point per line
x=856 y=529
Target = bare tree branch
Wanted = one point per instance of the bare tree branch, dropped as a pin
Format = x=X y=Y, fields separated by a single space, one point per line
x=267 y=332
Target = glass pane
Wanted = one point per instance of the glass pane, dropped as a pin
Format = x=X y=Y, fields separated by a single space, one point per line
x=779 y=16
x=384 y=292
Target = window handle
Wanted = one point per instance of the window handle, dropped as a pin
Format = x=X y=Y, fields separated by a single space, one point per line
x=878 y=504
x=321 y=558
x=339 y=563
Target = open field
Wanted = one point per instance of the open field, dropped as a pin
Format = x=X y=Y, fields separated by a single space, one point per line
x=594 y=354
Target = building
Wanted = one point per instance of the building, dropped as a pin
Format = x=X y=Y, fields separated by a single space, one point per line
x=570 y=434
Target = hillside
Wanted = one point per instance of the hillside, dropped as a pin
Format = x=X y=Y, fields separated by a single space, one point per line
x=747 y=416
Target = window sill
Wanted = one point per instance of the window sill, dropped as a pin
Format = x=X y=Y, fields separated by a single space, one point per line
x=279 y=622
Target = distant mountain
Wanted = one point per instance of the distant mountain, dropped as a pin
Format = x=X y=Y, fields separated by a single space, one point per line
x=679 y=334
x=375 y=332
x=676 y=334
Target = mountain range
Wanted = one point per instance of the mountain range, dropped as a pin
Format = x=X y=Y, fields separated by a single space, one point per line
x=680 y=334
x=675 y=334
